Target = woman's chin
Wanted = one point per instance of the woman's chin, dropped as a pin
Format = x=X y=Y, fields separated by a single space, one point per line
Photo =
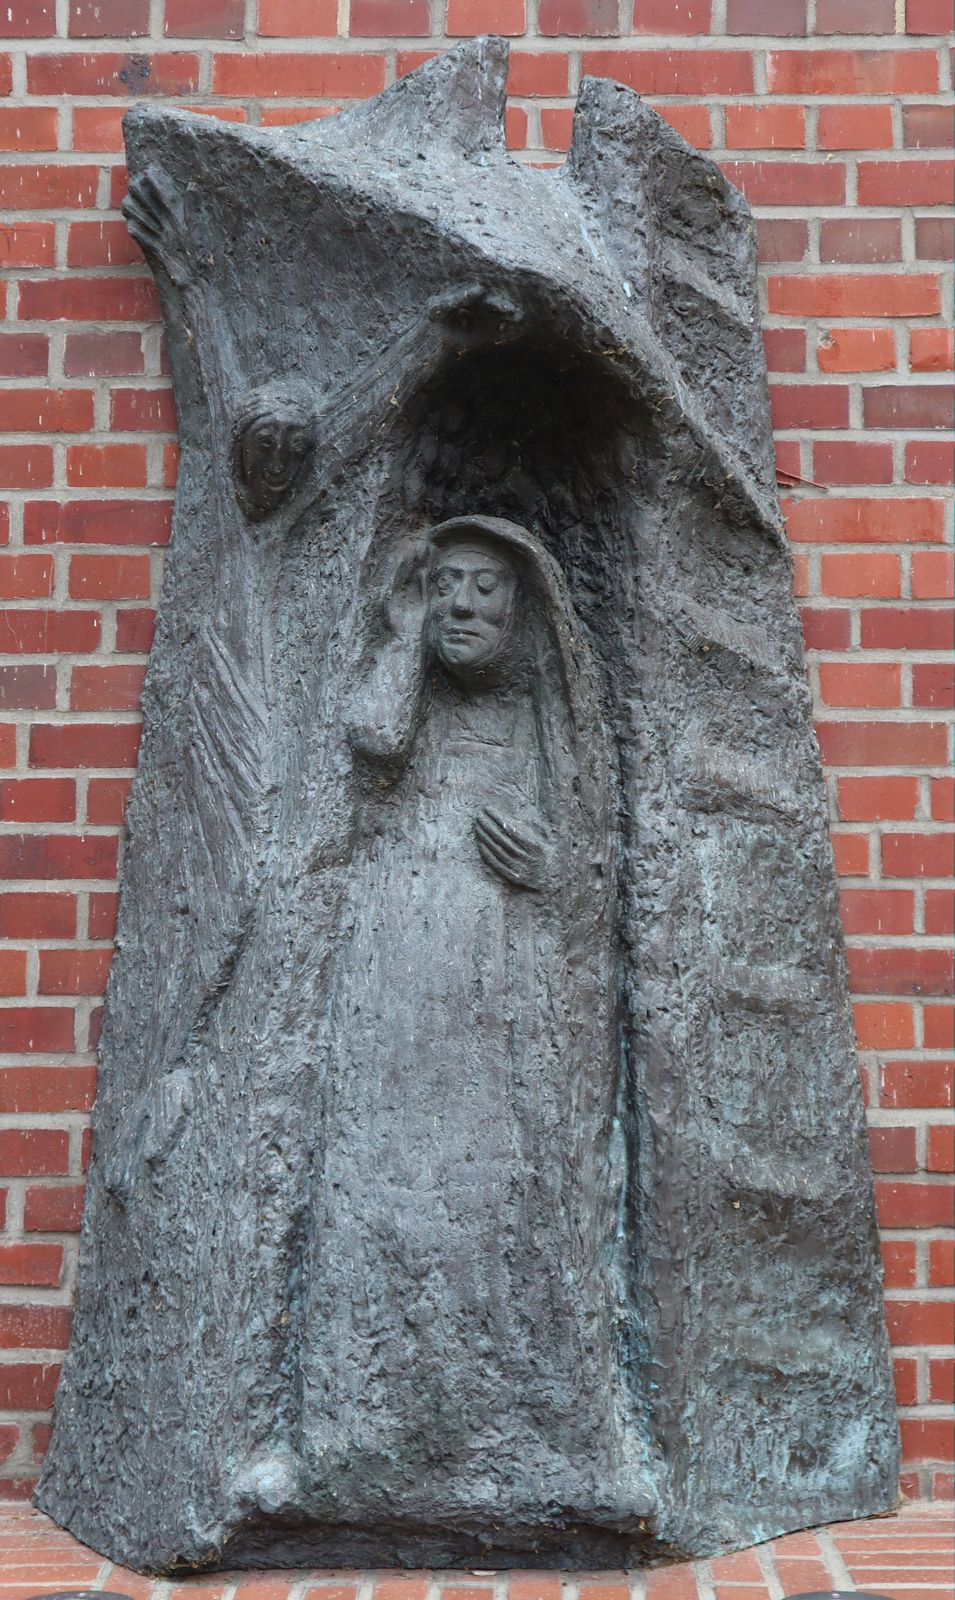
x=464 y=658
x=468 y=668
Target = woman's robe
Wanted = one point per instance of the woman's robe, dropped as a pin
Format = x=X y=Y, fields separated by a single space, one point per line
x=465 y=1199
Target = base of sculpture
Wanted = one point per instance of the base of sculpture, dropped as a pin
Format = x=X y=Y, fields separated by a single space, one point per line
x=265 y=1534
x=566 y=1546
x=441 y=1519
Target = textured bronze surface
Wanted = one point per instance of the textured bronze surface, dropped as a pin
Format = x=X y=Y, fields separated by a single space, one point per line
x=480 y=1174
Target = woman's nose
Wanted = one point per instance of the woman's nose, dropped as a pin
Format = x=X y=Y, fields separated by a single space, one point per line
x=462 y=601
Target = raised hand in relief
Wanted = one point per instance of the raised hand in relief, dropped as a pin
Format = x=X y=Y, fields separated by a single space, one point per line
x=385 y=712
x=473 y=314
x=406 y=599
x=156 y=217
x=513 y=850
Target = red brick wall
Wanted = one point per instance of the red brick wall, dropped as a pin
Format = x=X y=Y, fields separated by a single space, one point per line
x=832 y=115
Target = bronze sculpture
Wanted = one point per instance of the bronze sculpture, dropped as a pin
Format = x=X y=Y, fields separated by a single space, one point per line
x=479 y=1169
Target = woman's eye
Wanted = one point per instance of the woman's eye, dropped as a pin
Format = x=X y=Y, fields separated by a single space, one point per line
x=486 y=582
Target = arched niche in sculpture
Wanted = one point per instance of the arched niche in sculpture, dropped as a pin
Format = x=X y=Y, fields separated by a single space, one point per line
x=479 y=1169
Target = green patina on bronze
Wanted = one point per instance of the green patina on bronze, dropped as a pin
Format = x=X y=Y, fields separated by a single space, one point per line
x=480 y=1172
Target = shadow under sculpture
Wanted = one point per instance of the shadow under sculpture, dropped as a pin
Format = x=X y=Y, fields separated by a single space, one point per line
x=479 y=1169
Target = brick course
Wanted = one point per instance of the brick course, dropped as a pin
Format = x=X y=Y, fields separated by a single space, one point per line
x=834 y=117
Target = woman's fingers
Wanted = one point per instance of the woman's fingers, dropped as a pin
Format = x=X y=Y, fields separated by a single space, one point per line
x=507 y=832
x=157 y=192
x=514 y=856
x=526 y=833
x=515 y=849
x=496 y=817
x=412 y=571
x=523 y=872
x=500 y=864
x=142 y=225
x=405 y=593
x=140 y=202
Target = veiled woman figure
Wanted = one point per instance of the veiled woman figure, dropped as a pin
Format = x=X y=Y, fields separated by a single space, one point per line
x=466 y=1196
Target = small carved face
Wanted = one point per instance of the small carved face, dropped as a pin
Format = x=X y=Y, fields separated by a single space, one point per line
x=272 y=446
x=472 y=598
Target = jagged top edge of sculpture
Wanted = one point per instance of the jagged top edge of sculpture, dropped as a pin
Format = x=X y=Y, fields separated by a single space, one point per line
x=446 y=118
x=457 y=100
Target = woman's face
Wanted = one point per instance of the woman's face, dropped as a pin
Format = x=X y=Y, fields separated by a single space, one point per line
x=471 y=605
x=273 y=449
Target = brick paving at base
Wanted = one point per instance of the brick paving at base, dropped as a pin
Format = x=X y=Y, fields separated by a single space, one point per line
x=904 y=1557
